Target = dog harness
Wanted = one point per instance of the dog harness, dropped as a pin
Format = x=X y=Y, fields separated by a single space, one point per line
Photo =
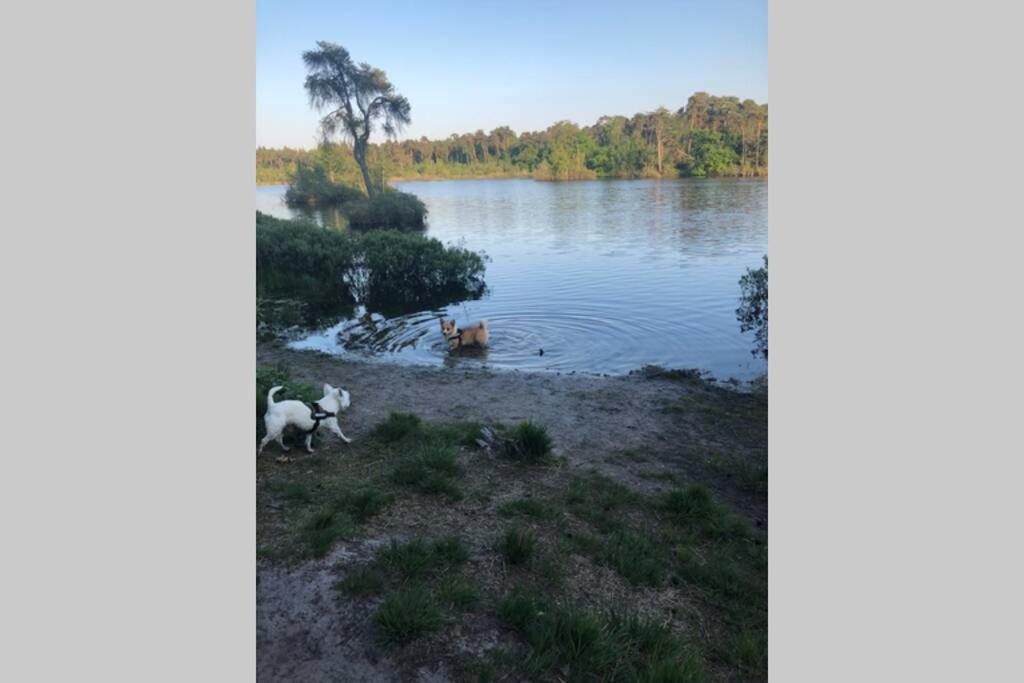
x=317 y=414
x=457 y=338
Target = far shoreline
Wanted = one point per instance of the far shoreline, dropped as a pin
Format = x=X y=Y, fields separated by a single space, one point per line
x=267 y=183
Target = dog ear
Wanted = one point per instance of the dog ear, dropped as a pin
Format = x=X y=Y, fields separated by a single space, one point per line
x=327 y=388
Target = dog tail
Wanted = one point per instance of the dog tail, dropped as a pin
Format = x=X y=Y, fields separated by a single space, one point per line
x=270 y=394
x=483 y=324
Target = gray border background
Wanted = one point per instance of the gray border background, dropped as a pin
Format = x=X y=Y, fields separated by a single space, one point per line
x=127 y=489
x=128 y=486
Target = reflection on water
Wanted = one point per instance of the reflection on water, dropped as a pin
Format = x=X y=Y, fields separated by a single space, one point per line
x=604 y=276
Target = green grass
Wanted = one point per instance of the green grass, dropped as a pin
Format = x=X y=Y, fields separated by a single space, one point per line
x=430 y=470
x=599 y=500
x=397 y=427
x=364 y=502
x=418 y=558
x=580 y=645
x=406 y=615
x=458 y=593
x=638 y=558
x=362 y=581
x=450 y=550
x=517 y=546
x=407 y=560
x=291 y=491
x=528 y=442
x=323 y=528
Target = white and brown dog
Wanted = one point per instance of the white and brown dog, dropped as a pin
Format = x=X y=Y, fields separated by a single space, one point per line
x=471 y=336
x=307 y=418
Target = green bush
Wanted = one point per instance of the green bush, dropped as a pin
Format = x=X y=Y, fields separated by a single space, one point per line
x=389 y=209
x=753 y=310
x=310 y=187
x=380 y=269
x=302 y=260
x=414 y=271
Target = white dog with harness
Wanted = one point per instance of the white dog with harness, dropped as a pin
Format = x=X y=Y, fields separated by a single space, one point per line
x=306 y=417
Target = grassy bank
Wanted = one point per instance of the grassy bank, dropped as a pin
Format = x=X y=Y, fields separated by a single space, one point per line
x=562 y=573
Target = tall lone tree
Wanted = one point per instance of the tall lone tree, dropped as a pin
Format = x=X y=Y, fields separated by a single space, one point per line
x=356 y=95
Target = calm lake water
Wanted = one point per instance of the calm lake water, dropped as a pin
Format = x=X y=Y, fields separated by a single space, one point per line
x=604 y=276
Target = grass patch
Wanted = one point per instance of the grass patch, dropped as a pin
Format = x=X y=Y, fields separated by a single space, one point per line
x=748 y=476
x=458 y=593
x=451 y=550
x=362 y=581
x=638 y=558
x=364 y=502
x=323 y=528
x=418 y=558
x=517 y=546
x=406 y=615
x=599 y=500
x=528 y=442
x=396 y=427
x=579 y=645
x=291 y=491
x=430 y=471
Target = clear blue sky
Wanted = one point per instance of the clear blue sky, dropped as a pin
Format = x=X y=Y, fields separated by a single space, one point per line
x=478 y=65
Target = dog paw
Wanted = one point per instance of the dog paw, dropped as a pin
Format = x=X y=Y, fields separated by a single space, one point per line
x=346 y=439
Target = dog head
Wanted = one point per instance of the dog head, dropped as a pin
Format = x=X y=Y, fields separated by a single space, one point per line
x=448 y=328
x=335 y=399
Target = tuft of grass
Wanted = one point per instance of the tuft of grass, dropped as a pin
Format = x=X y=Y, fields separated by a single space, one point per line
x=450 y=550
x=397 y=427
x=599 y=500
x=528 y=442
x=520 y=608
x=526 y=507
x=407 y=560
x=364 y=503
x=323 y=528
x=291 y=491
x=517 y=546
x=693 y=503
x=406 y=615
x=578 y=645
x=637 y=558
x=362 y=581
x=458 y=593
x=417 y=558
x=430 y=471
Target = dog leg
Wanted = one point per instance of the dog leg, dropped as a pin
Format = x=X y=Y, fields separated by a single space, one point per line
x=309 y=443
x=280 y=442
x=266 y=439
x=336 y=429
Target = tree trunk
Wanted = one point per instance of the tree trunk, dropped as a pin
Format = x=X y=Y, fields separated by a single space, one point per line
x=359 y=152
x=757 y=150
x=743 y=152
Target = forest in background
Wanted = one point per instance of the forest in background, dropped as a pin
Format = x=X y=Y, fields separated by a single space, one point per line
x=709 y=137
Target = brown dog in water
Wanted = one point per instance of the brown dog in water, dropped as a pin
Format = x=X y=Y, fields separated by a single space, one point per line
x=471 y=336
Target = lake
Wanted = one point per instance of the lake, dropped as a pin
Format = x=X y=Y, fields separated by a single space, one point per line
x=605 y=276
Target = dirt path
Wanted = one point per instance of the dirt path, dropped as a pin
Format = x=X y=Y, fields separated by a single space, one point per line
x=650 y=434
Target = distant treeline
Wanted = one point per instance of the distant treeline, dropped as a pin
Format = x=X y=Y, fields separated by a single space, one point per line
x=710 y=136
